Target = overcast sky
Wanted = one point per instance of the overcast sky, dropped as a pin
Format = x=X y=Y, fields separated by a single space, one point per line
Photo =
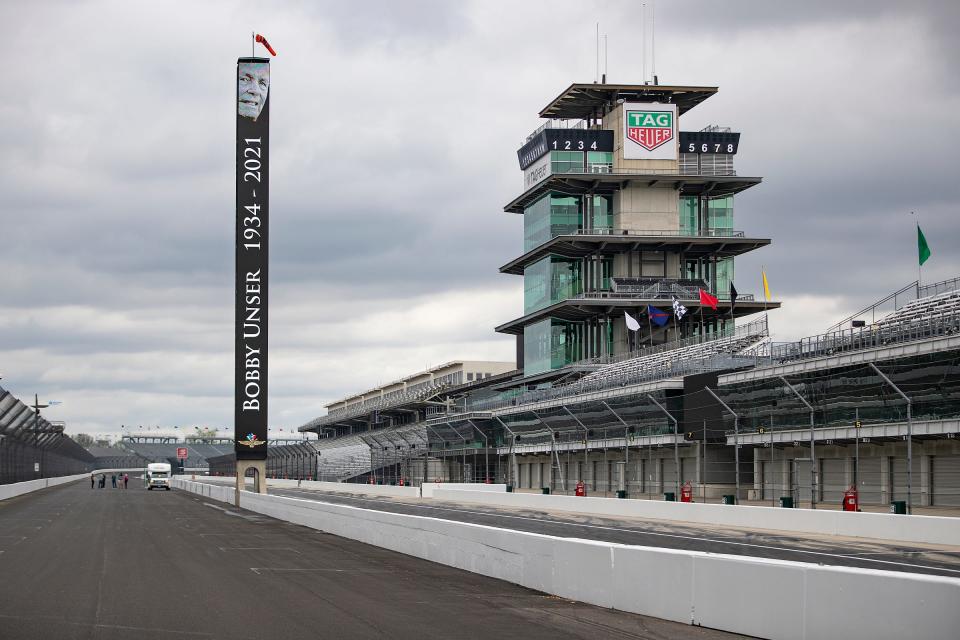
x=394 y=130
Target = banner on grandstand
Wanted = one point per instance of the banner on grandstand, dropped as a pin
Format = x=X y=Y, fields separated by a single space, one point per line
x=649 y=131
x=252 y=258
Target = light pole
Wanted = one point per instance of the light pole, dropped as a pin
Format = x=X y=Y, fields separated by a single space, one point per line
x=36 y=430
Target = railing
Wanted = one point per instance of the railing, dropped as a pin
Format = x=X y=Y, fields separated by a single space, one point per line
x=889 y=332
x=679 y=171
x=557 y=124
x=937 y=288
x=683 y=294
x=898 y=299
x=659 y=233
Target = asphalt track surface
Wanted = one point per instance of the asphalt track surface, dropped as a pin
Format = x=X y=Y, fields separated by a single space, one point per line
x=818 y=549
x=106 y=564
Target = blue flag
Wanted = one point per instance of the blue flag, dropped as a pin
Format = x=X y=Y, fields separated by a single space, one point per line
x=660 y=318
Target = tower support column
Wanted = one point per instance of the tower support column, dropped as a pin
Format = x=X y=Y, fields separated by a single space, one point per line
x=259 y=477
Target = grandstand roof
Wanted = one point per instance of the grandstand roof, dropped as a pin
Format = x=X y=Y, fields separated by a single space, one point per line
x=583 y=100
x=619 y=178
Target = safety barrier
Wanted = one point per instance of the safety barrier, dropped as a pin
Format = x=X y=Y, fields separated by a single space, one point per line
x=19 y=488
x=884 y=526
x=772 y=598
x=427 y=490
x=332 y=487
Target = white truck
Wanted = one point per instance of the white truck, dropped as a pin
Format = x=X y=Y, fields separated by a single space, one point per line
x=157 y=476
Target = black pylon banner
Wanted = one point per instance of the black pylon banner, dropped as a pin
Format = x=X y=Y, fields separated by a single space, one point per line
x=252 y=258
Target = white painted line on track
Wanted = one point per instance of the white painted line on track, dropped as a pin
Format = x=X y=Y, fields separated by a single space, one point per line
x=751 y=545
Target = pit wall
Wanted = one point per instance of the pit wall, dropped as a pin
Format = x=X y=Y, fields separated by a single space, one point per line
x=19 y=488
x=371 y=489
x=772 y=599
x=885 y=526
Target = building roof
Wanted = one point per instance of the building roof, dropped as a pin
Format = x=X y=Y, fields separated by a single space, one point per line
x=584 y=100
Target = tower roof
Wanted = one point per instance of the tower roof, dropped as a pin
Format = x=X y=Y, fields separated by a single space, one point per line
x=583 y=100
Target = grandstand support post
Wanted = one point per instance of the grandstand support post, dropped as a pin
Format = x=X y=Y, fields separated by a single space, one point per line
x=676 y=441
x=428 y=441
x=586 y=442
x=814 y=484
x=486 y=450
x=626 y=432
x=511 y=471
x=909 y=435
x=553 y=452
x=736 y=440
x=463 y=471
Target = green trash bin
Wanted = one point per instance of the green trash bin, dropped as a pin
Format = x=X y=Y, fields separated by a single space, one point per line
x=670 y=496
x=729 y=499
x=899 y=506
x=509 y=488
x=621 y=494
x=786 y=502
x=545 y=490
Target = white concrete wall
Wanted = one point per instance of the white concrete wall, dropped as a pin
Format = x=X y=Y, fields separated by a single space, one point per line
x=332 y=487
x=885 y=526
x=20 y=488
x=758 y=597
x=430 y=487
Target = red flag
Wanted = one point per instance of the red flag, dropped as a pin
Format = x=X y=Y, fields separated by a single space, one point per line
x=708 y=300
x=264 y=42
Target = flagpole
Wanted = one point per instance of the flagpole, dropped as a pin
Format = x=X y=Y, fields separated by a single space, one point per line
x=650 y=325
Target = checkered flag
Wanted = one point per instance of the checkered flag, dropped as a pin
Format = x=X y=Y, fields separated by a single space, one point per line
x=678 y=309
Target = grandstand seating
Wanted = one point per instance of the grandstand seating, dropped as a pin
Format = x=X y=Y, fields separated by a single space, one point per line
x=395 y=399
x=197 y=452
x=653 y=365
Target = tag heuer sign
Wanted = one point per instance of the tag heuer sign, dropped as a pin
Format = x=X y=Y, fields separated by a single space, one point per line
x=649 y=131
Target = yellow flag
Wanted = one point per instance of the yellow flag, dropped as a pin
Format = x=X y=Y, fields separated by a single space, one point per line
x=766 y=286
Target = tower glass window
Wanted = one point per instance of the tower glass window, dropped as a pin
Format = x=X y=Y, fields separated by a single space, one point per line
x=566 y=161
x=550 y=280
x=551 y=344
x=550 y=216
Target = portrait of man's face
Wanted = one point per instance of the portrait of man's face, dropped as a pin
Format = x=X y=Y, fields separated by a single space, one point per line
x=254 y=82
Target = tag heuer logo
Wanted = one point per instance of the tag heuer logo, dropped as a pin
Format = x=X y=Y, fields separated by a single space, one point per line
x=650 y=129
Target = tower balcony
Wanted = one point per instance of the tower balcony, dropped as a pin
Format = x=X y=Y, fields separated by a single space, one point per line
x=580 y=243
x=606 y=180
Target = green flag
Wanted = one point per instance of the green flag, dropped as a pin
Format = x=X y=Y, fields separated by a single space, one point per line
x=922 y=247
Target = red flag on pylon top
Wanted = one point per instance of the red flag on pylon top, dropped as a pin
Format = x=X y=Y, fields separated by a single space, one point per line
x=264 y=42
x=708 y=300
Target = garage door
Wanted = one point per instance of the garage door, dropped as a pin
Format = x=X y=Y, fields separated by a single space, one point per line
x=869 y=481
x=898 y=478
x=834 y=479
x=669 y=475
x=946 y=480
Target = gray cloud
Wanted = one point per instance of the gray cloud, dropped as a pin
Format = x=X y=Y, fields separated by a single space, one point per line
x=393 y=137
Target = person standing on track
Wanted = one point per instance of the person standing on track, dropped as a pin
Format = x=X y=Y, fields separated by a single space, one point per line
x=126 y=479
x=91 y=480
x=113 y=479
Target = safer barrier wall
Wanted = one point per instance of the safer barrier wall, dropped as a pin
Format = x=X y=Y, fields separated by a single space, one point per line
x=885 y=526
x=20 y=488
x=333 y=487
x=427 y=490
x=753 y=596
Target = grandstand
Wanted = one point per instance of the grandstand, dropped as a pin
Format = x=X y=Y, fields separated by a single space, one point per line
x=32 y=447
x=164 y=449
